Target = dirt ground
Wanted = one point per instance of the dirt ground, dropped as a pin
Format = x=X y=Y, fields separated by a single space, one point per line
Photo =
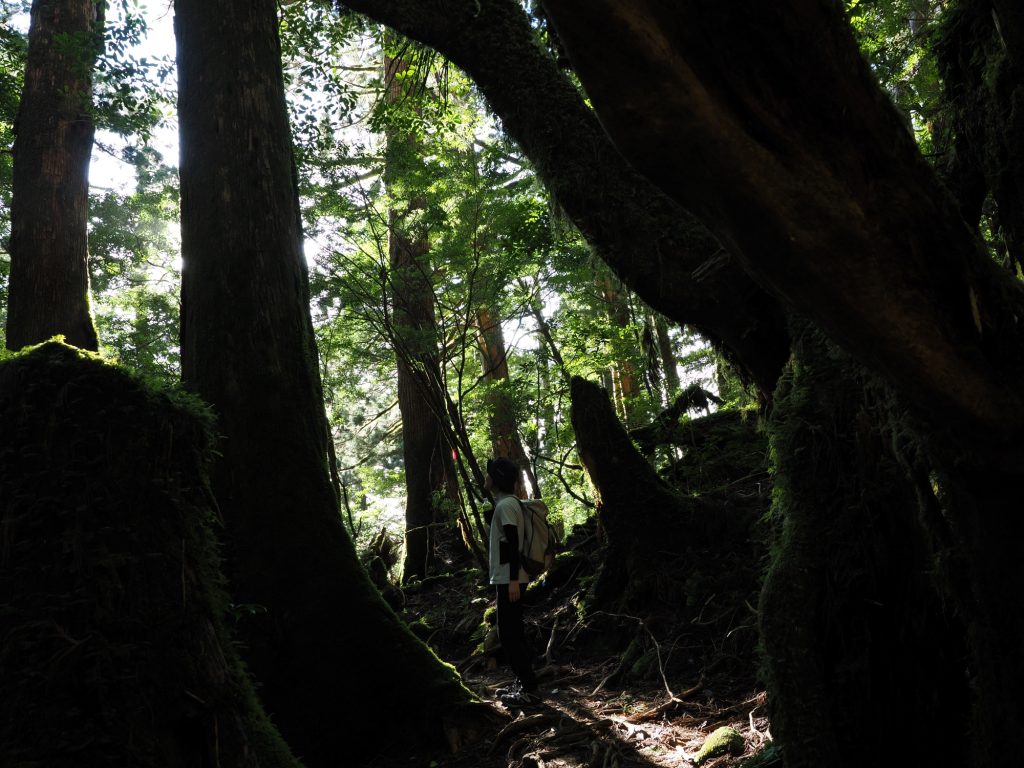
x=583 y=721
x=577 y=726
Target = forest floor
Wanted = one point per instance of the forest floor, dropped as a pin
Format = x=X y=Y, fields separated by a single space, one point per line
x=590 y=716
x=645 y=685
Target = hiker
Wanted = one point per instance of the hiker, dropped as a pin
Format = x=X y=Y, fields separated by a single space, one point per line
x=509 y=579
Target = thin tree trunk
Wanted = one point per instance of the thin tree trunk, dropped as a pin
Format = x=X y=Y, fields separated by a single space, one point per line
x=49 y=281
x=668 y=357
x=623 y=369
x=431 y=482
x=321 y=636
x=501 y=417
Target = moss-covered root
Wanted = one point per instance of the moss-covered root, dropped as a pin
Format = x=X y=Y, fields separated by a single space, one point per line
x=724 y=741
x=112 y=645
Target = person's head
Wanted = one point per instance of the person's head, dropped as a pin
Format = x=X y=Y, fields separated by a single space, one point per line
x=503 y=474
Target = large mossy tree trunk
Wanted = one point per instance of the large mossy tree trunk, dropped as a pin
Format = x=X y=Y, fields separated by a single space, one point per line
x=113 y=647
x=329 y=654
x=830 y=205
x=980 y=51
x=860 y=645
x=49 y=279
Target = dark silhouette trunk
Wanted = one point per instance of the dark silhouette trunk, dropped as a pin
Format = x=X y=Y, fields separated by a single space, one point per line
x=981 y=57
x=830 y=206
x=648 y=524
x=652 y=245
x=48 y=292
x=829 y=203
x=115 y=650
x=854 y=625
x=321 y=636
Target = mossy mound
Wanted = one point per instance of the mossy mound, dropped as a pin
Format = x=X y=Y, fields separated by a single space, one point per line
x=723 y=741
x=112 y=646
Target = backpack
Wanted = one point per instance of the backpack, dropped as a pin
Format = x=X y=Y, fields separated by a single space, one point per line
x=539 y=538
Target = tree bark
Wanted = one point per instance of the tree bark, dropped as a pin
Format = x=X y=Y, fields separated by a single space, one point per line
x=114 y=647
x=48 y=292
x=668 y=357
x=654 y=247
x=501 y=415
x=854 y=629
x=828 y=203
x=326 y=637
x=640 y=513
x=980 y=58
x=431 y=483
x=623 y=369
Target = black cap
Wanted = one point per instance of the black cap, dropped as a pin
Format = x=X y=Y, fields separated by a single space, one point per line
x=504 y=473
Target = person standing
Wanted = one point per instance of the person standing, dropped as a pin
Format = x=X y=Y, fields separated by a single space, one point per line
x=509 y=579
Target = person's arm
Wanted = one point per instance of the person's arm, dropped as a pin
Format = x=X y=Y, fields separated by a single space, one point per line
x=512 y=537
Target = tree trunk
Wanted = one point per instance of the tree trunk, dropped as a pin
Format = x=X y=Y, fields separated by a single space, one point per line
x=832 y=207
x=49 y=281
x=654 y=247
x=668 y=357
x=501 y=415
x=431 y=483
x=640 y=513
x=326 y=638
x=854 y=629
x=114 y=649
x=829 y=203
x=983 y=77
x=623 y=369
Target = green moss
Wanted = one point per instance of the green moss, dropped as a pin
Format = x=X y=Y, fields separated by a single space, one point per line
x=113 y=621
x=724 y=741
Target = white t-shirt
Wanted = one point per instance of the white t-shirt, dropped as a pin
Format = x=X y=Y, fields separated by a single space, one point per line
x=506 y=512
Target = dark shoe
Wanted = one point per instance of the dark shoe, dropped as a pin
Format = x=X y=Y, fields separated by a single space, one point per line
x=520 y=699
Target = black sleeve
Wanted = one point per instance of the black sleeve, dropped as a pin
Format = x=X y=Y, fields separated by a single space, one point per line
x=512 y=537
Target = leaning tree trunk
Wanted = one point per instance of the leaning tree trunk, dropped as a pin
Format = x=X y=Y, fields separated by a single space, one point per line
x=321 y=638
x=49 y=280
x=853 y=625
x=640 y=513
x=656 y=248
x=829 y=204
x=431 y=484
x=113 y=646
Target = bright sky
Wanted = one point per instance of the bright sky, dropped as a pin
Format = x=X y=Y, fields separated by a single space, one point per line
x=108 y=172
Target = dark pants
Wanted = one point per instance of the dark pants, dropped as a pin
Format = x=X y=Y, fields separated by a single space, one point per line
x=513 y=640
